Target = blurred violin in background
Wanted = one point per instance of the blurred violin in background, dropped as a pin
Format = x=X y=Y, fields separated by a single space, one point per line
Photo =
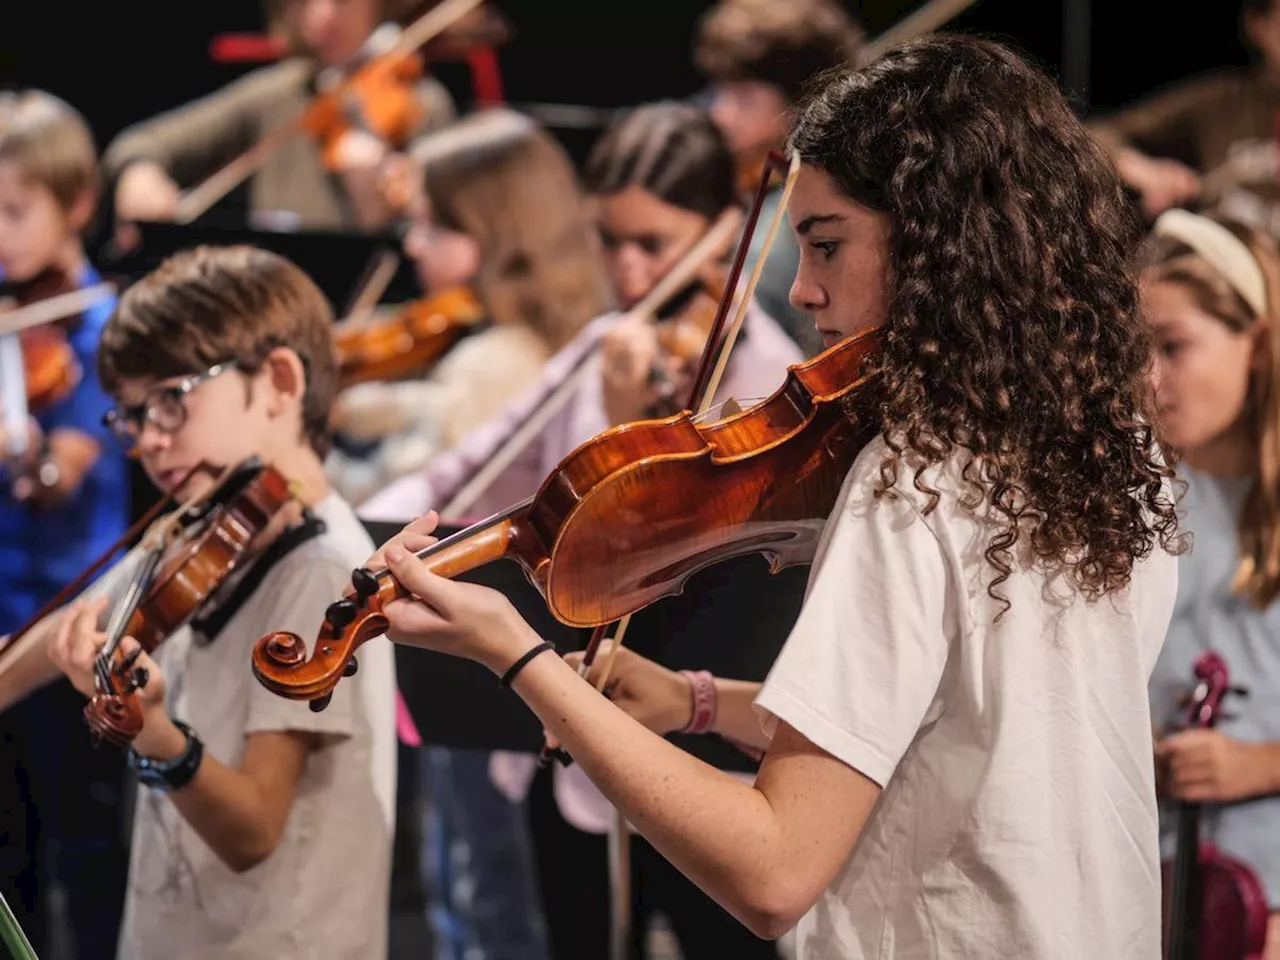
x=408 y=341
x=38 y=365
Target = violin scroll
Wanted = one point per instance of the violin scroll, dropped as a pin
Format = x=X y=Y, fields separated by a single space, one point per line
x=280 y=659
x=113 y=714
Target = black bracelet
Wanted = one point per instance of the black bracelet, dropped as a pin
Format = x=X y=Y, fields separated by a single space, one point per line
x=519 y=665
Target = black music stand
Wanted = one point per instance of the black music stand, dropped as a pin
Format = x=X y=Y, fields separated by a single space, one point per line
x=732 y=619
x=337 y=261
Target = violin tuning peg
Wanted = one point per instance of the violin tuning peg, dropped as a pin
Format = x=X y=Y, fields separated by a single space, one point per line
x=341 y=613
x=364 y=583
x=319 y=703
x=138 y=678
x=350 y=669
x=127 y=663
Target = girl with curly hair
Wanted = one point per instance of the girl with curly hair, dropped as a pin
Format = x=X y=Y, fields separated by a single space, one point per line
x=1211 y=292
x=957 y=729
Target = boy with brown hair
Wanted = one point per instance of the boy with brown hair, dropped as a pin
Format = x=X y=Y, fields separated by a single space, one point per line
x=759 y=55
x=260 y=816
x=64 y=498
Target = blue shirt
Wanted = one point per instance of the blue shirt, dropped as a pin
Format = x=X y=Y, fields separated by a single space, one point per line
x=1208 y=616
x=41 y=550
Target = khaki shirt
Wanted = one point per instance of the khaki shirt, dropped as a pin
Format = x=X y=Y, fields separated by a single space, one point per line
x=194 y=141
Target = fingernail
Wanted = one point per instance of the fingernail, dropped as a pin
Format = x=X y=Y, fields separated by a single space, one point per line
x=394 y=554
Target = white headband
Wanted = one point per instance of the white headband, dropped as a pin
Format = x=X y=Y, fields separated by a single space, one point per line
x=1221 y=249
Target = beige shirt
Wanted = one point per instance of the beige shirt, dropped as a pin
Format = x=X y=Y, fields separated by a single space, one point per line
x=194 y=141
x=1018 y=816
x=323 y=893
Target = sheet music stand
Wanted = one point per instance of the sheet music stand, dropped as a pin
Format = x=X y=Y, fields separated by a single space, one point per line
x=336 y=261
x=732 y=619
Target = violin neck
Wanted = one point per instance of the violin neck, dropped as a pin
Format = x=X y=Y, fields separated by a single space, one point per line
x=500 y=536
x=1186 y=897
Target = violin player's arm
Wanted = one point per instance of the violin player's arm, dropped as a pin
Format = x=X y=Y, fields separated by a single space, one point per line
x=857 y=676
x=192 y=141
x=27 y=667
x=240 y=811
x=765 y=852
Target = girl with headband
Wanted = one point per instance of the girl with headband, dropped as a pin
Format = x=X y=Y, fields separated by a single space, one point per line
x=1209 y=293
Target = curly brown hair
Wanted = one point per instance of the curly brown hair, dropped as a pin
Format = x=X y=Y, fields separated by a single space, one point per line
x=1014 y=331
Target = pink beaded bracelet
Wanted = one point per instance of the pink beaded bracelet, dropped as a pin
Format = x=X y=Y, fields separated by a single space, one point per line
x=702 y=689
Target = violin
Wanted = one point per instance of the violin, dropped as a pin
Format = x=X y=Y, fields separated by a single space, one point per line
x=1214 y=905
x=189 y=554
x=411 y=339
x=50 y=368
x=628 y=517
x=377 y=97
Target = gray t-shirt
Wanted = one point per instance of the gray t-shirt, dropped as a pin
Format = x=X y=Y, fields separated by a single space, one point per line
x=323 y=892
x=1208 y=616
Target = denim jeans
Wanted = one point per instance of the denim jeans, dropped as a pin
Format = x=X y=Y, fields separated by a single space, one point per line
x=482 y=894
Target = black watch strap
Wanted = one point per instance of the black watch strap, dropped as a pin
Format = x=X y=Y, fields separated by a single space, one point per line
x=169 y=775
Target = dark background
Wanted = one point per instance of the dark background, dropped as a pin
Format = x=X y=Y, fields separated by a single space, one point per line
x=120 y=61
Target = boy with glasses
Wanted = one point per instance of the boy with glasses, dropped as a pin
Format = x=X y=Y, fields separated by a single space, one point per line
x=260 y=817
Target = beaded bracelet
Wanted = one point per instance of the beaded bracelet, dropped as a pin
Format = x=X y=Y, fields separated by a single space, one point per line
x=702 y=689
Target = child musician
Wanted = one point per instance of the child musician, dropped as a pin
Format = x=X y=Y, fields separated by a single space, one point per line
x=502 y=215
x=64 y=498
x=959 y=729
x=1210 y=294
x=151 y=162
x=264 y=829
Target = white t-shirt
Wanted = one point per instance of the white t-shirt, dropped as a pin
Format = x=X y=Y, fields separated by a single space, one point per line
x=1018 y=816
x=323 y=894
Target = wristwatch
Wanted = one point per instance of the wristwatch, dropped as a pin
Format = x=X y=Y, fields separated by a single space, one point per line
x=169 y=775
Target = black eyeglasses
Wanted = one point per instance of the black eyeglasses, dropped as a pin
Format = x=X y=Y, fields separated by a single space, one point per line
x=164 y=406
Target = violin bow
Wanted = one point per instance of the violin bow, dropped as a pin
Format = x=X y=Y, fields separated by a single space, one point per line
x=10 y=655
x=12 y=933
x=200 y=198
x=53 y=308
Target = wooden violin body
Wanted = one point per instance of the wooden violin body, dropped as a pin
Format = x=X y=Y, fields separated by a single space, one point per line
x=412 y=339
x=629 y=516
x=221 y=528
x=1233 y=920
x=1214 y=905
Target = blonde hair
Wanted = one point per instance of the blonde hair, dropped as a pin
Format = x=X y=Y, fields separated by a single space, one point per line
x=501 y=179
x=51 y=143
x=1172 y=259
